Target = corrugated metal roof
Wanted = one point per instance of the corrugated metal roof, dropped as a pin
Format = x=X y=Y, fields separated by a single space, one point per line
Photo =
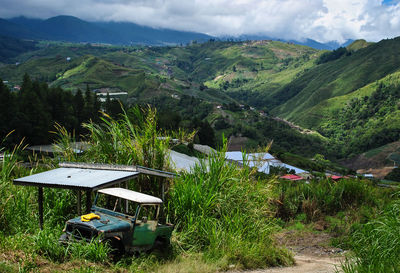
x=261 y=156
x=77 y=147
x=238 y=156
x=75 y=178
x=183 y=162
x=131 y=195
x=276 y=163
x=204 y=149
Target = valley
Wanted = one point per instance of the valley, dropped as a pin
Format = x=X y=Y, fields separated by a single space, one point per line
x=326 y=112
x=346 y=101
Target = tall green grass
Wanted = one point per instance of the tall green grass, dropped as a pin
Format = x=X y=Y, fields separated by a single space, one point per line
x=19 y=205
x=323 y=197
x=224 y=212
x=376 y=244
x=133 y=139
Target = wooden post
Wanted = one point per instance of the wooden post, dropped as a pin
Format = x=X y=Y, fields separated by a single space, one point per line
x=78 y=205
x=88 y=200
x=40 y=199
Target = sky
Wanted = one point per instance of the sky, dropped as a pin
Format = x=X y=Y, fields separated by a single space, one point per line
x=321 y=20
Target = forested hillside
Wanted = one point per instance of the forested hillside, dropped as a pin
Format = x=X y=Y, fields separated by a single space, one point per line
x=33 y=111
x=348 y=96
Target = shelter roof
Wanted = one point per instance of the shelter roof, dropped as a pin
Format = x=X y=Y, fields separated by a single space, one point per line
x=131 y=195
x=76 y=178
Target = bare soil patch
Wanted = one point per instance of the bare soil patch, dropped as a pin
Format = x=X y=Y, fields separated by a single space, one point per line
x=313 y=254
x=376 y=163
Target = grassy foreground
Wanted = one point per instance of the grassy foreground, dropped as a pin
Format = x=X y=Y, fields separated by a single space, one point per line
x=223 y=214
x=222 y=219
x=225 y=217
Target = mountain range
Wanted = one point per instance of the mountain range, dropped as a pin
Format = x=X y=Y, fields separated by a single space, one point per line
x=73 y=29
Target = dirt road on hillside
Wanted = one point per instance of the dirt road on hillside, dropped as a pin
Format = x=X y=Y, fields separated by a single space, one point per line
x=312 y=252
x=306 y=264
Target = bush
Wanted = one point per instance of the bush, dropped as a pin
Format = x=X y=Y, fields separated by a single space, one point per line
x=376 y=244
x=320 y=197
x=221 y=210
x=394 y=175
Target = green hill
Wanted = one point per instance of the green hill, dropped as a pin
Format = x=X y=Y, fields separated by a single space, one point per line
x=11 y=47
x=336 y=78
x=348 y=95
x=358 y=44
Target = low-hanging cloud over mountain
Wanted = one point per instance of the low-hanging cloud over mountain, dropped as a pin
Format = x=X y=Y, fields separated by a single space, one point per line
x=322 y=20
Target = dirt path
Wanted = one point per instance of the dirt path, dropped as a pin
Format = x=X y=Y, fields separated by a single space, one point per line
x=312 y=253
x=306 y=264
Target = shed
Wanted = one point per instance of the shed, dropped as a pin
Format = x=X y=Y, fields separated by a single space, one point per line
x=83 y=177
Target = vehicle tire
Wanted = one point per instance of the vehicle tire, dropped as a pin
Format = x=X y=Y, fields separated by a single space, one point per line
x=117 y=249
x=162 y=245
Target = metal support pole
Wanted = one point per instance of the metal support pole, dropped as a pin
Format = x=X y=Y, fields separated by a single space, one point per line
x=162 y=190
x=40 y=199
x=126 y=201
x=88 y=200
x=79 y=201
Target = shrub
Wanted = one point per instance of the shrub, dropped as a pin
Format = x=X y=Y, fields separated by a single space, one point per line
x=320 y=197
x=221 y=210
x=376 y=244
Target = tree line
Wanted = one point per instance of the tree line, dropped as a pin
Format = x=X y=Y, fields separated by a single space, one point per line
x=32 y=111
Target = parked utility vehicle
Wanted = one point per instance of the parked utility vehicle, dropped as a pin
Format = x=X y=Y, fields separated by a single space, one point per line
x=128 y=220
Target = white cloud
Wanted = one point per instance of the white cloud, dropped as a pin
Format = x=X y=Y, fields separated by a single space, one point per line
x=322 y=20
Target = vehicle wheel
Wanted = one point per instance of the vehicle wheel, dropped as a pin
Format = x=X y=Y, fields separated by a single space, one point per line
x=162 y=245
x=117 y=249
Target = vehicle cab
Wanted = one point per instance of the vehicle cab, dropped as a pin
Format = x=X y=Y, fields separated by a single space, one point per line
x=128 y=220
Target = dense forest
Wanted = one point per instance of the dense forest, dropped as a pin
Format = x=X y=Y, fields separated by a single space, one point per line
x=33 y=111
x=367 y=122
x=35 y=108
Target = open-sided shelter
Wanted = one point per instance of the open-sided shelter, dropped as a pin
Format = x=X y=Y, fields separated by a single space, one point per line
x=84 y=177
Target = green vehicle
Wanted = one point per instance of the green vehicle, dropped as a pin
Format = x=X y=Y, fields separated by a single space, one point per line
x=127 y=220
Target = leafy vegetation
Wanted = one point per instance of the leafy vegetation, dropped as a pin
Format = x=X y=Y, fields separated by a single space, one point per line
x=366 y=123
x=375 y=243
x=10 y=48
x=32 y=111
x=394 y=175
x=220 y=210
x=332 y=55
x=231 y=209
x=324 y=197
x=224 y=215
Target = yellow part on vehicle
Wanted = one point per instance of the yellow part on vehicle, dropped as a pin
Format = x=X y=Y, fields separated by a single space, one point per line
x=89 y=217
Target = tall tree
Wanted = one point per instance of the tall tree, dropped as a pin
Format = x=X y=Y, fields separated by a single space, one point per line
x=33 y=120
x=89 y=99
x=79 y=106
x=7 y=108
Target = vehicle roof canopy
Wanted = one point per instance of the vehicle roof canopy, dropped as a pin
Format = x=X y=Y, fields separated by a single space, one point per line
x=131 y=195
